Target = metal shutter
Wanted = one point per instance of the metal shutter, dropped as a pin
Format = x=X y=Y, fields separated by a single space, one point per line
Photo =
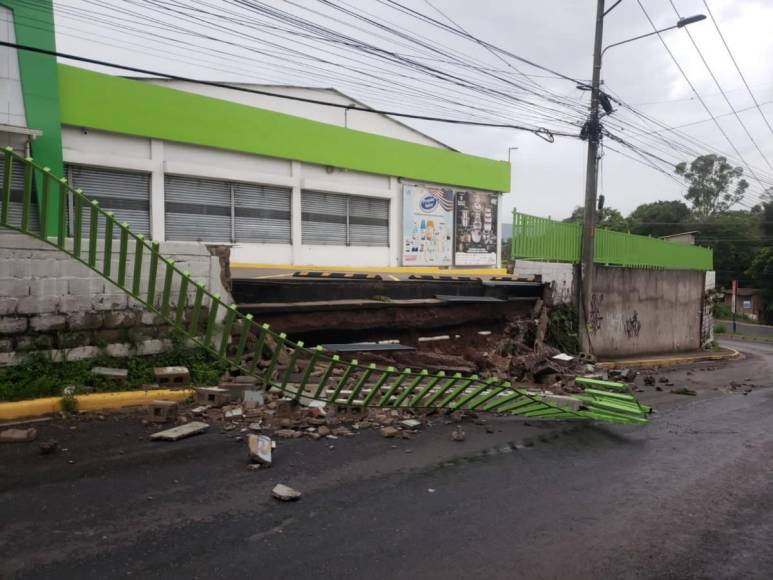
x=197 y=209
x=368 y=221
x=323 y=218
x=17 y=191
x=125 y=193
x=261 y=213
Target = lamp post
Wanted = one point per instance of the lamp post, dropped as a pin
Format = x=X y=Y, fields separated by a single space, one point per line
x=593 y=130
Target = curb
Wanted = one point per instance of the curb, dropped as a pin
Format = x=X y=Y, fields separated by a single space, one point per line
x=667 y=361
x=92 y=402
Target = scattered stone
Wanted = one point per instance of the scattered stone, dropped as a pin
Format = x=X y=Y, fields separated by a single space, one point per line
x=489 y=429
x=663 y=380
x=200 y=410
x=175 y=433
x=259 y=447
x=684 y=391
x=172 y=376
x=284 y=492
x=234 y=413
x=255 y=426
x=116 y=375
x=458 y=434
x=285 y=408
x=49 y=447
x=18 y=435
x=410 y=423
x=288 y=434
x=658 y=388
x=342 y=432
x=162 y=411
x=253 y=399
x=324 y=430
x=649 y=380
x=389 y=432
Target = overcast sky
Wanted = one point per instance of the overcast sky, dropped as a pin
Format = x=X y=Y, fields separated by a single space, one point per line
x=548 y=178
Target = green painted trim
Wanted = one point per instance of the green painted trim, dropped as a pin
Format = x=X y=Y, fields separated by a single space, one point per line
x=109 y=103
x=34 y=26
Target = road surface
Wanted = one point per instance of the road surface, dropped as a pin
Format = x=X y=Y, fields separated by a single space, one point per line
x=689 y=496
x=747 y=328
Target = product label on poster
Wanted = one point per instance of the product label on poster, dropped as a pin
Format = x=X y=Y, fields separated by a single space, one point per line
x=476 y=228
x=427 y=225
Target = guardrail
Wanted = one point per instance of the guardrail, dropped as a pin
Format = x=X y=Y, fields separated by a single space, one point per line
x=256 y=349
x=543 y=239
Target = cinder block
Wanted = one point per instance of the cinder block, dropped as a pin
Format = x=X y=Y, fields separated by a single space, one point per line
x=71 y=304
x=38 y=305
x=78 y=353
x=85 y=320
x=28 y=342
x=151 y=319
x=154 y=346
x=8 y=359
x=112 y=374
x=45 y=287
x=44 y=267
x=48 y=322
x=13 y=324
x=213 y=396
x=119 y=349
x=86 y=286
x=121 y=319
x=163 y=411
x=8 y=305
x=13 y=288
x=109 y=302
x=172 y=376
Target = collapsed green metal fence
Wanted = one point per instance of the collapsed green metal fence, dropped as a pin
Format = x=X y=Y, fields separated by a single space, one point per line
x=108 y=247
x=537 y=238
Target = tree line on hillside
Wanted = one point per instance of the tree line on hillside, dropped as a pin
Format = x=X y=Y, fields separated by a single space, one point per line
x=742 y=239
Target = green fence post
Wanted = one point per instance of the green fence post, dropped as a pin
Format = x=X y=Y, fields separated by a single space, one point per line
x=77 y=223
x=245 y=333
x=430 y=385
x=228 y=323
x=409 y=389
x=27 y=195
x=93 y=224
x=360 y=383
x=46 y=176
x=182 y=299
x=385 y=374
x=193 y=326
x=214 y=305
x=326 y=375
x=258 y=351
x=166 y=292
x=107 y=254
x=152 y=274
x=139 y=246
x=291 y=364
x=315 y=354
x=280 y=343
x=398 y=381
x=123 y=250
x=61 y=233
x=343 y=380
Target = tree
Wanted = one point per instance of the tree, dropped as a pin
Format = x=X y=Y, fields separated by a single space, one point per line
x=608 y=218
x=660 y=218
x=714 y=185
x=761 y=273
x=735 y=238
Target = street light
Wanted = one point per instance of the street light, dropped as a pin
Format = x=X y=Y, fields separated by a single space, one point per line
x=593 y=131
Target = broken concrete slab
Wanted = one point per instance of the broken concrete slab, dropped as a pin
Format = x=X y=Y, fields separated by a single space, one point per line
x=176 y=433
x=410 y=423
x=389 y=432
x=18 y=435
x=112 y=374
x=563 y=401
x=259 y=447
x=172 y=376
x=213 y=396
x=253 y=399
x=284 y=492
x=233 y=413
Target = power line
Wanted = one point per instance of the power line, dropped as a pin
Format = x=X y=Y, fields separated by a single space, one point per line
x=743 y=78
x=721 y=90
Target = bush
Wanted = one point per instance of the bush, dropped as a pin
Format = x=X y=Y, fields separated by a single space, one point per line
x=719 y=328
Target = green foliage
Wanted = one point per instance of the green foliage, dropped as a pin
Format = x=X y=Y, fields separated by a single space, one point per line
x=761 y=273
x=714 y=185
x=660 y=218
x=720 y=328
x=38 y=376
x=562 y=329
x=735 y=238
x=608 y=218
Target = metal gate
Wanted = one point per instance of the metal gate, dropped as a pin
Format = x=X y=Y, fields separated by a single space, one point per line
x=344 y=220
x=198 y=209
x=261 y=214
x=125 y=193
x=16 y=198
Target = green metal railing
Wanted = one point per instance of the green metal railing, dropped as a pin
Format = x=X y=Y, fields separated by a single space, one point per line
x=301 y=373
x=543 y=239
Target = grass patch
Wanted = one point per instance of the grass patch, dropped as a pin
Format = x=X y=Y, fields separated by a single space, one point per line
x=37 y=376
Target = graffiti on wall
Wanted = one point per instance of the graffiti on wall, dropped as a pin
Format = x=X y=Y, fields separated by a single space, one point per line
x=594 y=316
x=632 y=325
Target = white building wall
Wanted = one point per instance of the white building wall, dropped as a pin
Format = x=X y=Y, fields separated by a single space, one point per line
x=11 y=103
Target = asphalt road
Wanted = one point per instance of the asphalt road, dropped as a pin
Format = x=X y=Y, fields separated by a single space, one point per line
x=688 y=496
x=750 y=329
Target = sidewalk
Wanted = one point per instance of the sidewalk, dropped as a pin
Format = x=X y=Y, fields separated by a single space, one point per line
x=670 y=359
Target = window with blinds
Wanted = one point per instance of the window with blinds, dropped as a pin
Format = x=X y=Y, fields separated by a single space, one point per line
x=344 y=220
x=125 y=193
x=213 y=210
x=17 y=194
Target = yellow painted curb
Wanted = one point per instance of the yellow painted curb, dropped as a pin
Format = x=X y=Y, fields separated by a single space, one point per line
x=92 y=402
x=386 y=269
x=670 y=360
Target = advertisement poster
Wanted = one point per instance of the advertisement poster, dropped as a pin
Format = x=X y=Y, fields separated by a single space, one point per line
x=428 y=225
x=476 y=229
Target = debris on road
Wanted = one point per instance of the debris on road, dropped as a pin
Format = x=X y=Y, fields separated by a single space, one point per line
x=162 y=411
x=389 y=432
x=253 y=399
x=284 y=492
x=684 y=391
x=410 y=423
x=175 y=433
x=649 y=380
x=49 y=447
x=458 y=434
x=260 y=447
x=18 y=435
x=213 y=396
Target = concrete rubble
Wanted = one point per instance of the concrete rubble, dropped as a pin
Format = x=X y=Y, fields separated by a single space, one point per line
x=176 y=433
x=16 y=435
x=111 y=374
x=284 y=492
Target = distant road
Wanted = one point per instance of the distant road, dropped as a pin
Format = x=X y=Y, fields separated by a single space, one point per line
x=750 y=329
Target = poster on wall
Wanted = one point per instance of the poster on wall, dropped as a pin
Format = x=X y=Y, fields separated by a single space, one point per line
x=428 y=225
x=476 y=229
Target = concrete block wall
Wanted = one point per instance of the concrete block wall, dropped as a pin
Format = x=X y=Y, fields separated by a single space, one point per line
x=49 y=302
x=560 y=277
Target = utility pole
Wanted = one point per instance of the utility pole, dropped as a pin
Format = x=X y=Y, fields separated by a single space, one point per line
x=591 y=186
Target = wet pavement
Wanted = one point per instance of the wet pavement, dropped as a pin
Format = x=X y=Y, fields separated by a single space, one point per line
x=687 y=496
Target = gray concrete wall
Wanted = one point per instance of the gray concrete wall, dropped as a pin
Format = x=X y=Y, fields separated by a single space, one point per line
x=560 y=276
x=639 y=312
x=51 y=303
